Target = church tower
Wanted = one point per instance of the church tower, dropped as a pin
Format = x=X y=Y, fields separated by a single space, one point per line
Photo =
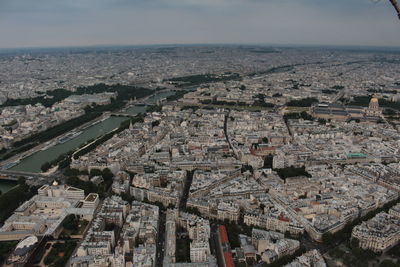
x=374 y=110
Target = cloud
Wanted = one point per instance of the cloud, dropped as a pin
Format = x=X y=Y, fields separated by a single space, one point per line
x=90 y=22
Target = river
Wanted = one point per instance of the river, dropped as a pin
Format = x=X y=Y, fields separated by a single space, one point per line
x=154 y=98
x=33 y=162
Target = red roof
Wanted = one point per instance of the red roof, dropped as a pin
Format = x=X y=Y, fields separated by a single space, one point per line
x=283 y=218
x=228 y=259
x=222 y=234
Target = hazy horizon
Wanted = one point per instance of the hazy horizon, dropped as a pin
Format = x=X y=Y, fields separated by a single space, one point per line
x=171 y=45
x=75 y=23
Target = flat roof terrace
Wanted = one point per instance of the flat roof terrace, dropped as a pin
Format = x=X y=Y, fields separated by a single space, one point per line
x=91 y=197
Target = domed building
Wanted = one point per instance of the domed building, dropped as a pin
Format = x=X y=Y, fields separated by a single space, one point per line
x=373 y=110
x=25 y=245
x=22 y=251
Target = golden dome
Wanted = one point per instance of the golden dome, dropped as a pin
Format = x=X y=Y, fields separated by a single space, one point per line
x=374 y=100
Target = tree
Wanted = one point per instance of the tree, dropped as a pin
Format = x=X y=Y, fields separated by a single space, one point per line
x=262 y=206
x=193 y=210
x=292 y=172
x=21 y=180
x=354 y=243
x=155 y=123
x=265 y=140
x=247 y=168
x=107 y=174
x=71 y=172
x=65 y=162
x=45 y=167
x=127 y=197
x=305 y=102
x=268 y=161
x=70 y=222
x=328 y=238
x=388 y=263
x=95 y=172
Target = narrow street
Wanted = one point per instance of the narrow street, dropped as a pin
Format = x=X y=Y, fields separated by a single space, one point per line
x=161 y=239
x=226 y=134
x=214 y=245
x=186 y=188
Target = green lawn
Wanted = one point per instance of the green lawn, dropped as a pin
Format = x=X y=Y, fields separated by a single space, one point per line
x=297 y=109
x=60 y=253
x=79 y=231
x=250 y=108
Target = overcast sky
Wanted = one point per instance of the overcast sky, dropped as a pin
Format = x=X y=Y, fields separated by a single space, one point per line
x=47 y=23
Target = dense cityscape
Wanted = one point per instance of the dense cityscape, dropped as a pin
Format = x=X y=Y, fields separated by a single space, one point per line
x=200 y=155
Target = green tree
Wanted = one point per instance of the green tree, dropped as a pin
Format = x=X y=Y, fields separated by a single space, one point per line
x=107 y=174
x=328 y=238
x=268 y=161
x=45 y=167
x=388 y=263
x=21 y=180
x=95 y=172
x=70 y=222
x=354 y=243
x=262 y=206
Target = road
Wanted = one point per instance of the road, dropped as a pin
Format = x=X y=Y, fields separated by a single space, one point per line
x=39 y=180
x=215 y=248
x=161 y=239
x=226 y=134
x=186 y=189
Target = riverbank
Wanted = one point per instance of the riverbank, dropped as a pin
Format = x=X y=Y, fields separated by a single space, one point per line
x=56 y=152
x=124 y=94
x=34 y=162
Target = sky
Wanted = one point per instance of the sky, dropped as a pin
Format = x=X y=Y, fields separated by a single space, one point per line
x=53 y=23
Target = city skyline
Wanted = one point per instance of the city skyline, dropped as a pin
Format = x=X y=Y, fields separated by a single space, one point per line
x=200 y=133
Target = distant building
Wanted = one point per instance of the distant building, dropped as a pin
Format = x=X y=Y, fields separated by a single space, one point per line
x=373 y=109
x=342 y=113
